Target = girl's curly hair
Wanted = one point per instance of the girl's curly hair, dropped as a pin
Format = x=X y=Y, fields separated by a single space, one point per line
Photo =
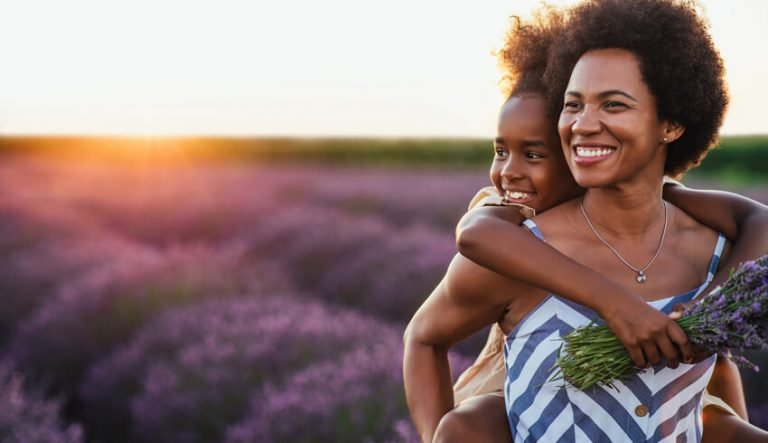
x=678 y=62
x=523 y=57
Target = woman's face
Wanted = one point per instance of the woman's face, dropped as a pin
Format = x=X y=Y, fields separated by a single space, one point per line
x=528 y=167
x=609 y=126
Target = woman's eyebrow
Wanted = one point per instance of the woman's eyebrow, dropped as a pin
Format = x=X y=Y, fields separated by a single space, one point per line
x=603 y=94
x=610 y=92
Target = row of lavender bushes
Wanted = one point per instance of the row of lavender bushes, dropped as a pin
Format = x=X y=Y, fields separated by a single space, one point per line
x=27 y=416
x=190 y=303
x=214 y=304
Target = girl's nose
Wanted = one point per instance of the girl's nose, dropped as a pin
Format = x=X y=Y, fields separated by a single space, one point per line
x=513 y=169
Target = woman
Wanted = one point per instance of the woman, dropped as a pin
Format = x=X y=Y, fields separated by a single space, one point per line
x=616 y=130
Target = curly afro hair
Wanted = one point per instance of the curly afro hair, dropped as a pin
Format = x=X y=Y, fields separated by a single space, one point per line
x=678 y=62
x=523 y=56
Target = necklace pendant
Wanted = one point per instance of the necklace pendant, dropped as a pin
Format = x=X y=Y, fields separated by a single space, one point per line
x=641 y=278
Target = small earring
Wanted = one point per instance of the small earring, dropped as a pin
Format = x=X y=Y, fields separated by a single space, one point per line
x=665 y=140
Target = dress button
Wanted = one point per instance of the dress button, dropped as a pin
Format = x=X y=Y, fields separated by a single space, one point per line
x=641 y=411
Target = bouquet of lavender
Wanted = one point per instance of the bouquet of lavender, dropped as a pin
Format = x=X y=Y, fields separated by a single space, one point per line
x=732 y=317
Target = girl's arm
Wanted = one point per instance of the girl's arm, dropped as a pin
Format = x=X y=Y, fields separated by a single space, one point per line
x=486 y=236
x=742 y=220
x=745 y=222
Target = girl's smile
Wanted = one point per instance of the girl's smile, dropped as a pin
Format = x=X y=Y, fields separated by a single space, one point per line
x=529 y=167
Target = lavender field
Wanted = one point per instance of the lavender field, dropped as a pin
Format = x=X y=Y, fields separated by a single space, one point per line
x=227 y=302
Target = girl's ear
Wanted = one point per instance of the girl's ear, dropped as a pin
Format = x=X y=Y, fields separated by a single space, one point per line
x=670 y=131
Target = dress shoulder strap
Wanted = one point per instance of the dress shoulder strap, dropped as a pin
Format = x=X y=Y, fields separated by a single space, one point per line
x=713 y=263
x=531 y=225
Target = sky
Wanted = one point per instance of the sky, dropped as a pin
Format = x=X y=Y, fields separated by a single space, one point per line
x=398 y=68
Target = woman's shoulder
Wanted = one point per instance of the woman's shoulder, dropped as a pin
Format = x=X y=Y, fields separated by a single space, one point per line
x=686 y=225
x=693 y=237
x=557 y=221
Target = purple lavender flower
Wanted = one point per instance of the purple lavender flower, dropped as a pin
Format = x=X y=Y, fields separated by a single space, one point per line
x=108 y=277
x=403 y=197
x=724 y=321
x=106 y=306
x=731 y=317
x=356 y=261
x=25 y=416
x=31 y=275
x=190 y=374
x=355 y=399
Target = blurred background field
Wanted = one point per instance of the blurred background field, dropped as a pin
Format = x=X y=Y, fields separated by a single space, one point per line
x=238 y=290
x=737 y=160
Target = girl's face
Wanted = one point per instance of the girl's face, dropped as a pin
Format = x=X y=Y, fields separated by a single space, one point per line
x=609 y=126
x=529 y=167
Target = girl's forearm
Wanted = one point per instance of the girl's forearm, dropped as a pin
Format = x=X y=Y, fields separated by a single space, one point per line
x=722 y=211
x=507 y=250
x=752 y=242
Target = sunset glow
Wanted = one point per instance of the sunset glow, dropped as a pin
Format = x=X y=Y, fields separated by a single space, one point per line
x=339 y=67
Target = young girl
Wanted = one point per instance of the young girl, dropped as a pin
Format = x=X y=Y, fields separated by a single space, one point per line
x=528 y=154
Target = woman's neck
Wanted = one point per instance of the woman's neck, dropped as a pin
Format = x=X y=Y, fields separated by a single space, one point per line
x=625 y=210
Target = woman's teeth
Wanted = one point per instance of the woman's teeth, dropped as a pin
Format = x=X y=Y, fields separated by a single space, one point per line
x=593 y=152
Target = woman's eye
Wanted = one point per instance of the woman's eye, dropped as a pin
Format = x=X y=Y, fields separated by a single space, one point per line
x=571 y=106
x=615 y=105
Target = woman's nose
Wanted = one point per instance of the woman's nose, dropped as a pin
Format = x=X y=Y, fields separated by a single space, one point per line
x=586 y=122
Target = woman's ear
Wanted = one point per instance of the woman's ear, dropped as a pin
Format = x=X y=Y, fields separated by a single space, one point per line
x=670 y=131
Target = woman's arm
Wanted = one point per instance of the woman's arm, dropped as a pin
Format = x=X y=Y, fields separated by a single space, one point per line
x=742 y=220
x=468 y=299
x=486 y=236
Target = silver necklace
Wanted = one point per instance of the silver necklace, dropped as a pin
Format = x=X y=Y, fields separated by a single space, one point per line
x=641 y=277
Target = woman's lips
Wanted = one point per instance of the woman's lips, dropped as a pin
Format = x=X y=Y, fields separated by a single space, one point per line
x=592 y=154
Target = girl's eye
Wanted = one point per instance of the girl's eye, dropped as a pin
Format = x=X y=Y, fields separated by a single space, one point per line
x=534 y=155
x=500 y=153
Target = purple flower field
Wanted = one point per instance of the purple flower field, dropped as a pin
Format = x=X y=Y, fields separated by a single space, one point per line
x=26 y=416
x=227 y=302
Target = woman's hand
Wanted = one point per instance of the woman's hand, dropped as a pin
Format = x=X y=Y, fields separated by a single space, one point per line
x=698 y=354
x=647 y=333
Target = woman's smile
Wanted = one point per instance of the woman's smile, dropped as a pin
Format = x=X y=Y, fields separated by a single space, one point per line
x=609 y=125
x=590 y=153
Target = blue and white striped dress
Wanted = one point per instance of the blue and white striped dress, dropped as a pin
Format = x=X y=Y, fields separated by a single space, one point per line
x=659 y=405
